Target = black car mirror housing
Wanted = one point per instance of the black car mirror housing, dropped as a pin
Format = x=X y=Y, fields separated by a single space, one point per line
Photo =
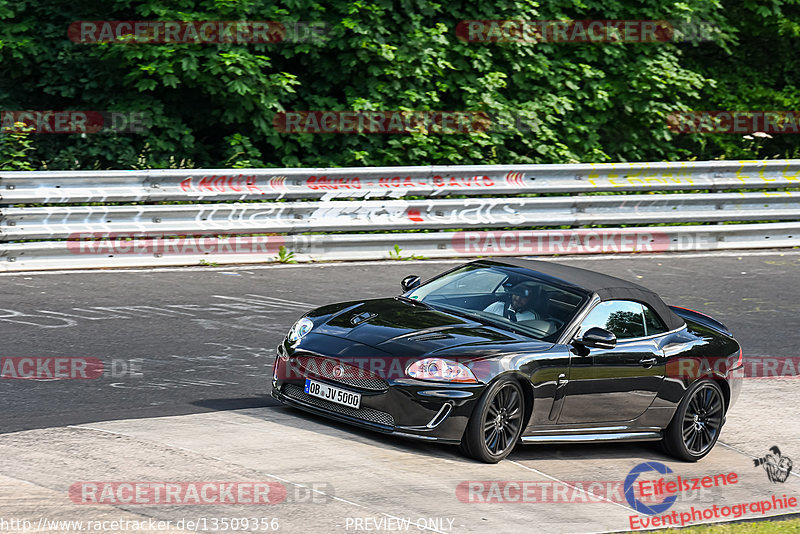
x=598 y=338
x=410 y=282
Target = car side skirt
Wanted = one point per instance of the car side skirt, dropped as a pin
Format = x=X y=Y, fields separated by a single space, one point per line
x=652 y=435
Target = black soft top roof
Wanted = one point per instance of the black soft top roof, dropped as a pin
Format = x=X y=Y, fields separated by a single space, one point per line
x=605 y=286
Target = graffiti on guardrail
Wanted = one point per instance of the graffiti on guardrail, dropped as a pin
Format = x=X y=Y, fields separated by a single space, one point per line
x=232 y=183
x=73 y=186
x=681 y=175
x=280 y=217
x=43 y=235
x=324 y=182
x=260 y=185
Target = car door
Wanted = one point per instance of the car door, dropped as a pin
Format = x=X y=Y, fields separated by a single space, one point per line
x=619 y=384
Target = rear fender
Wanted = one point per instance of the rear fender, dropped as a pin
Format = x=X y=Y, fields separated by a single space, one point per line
x=702 y=319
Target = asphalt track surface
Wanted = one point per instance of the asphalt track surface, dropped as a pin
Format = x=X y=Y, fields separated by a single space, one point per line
x=201 y=341
x=186 y=341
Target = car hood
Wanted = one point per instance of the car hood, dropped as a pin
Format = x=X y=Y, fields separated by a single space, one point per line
x=403 y=328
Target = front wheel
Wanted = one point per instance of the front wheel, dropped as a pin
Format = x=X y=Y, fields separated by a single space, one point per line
x=696 y=425
x=496 y=422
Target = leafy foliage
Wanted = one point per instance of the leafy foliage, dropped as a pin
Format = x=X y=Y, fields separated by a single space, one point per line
x=397 y=254
x=15 y=145
x=284 y=256
x=212 y=105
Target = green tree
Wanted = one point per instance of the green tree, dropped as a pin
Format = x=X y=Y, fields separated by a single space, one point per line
x=212 y=105
x=15 y=148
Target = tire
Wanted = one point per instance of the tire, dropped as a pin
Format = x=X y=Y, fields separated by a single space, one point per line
x=697 y=422
x=496 y=422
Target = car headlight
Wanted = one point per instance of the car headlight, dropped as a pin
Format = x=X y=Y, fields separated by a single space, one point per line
x=441 y=370
x=300 y=329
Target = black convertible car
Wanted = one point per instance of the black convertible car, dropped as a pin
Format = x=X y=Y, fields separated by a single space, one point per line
x=498 y=352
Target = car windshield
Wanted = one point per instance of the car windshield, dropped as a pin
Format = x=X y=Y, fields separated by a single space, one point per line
x=508 y=297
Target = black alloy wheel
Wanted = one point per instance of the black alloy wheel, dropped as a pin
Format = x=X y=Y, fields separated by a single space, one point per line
x=496 y=422
x=696 y=425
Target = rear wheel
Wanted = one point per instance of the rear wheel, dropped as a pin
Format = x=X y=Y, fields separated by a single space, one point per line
x=496 y=422
x=696 y=425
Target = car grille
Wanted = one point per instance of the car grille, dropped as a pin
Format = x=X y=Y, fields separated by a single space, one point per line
x=351 y=375
x=365 y=414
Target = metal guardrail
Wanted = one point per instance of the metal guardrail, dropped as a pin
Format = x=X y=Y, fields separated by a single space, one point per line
x=340 y=247
x=59 y=187
x=292 y=201
x=64 y=222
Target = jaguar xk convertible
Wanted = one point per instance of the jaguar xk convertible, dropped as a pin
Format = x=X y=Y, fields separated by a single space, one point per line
x=495 y=353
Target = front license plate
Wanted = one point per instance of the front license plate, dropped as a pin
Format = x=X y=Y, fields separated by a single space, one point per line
x=333 y=394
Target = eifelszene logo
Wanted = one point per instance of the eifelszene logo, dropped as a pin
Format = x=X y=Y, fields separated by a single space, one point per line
x=776 y=465
x=630 y=482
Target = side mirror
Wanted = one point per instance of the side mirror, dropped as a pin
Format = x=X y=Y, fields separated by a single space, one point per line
x=598 y=338
x=410 y=282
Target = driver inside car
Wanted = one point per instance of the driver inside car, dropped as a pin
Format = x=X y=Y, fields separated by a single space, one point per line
x=518 y=308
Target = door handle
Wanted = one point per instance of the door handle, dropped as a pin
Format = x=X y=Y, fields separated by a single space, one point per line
x=648 y=362
x=558 y=397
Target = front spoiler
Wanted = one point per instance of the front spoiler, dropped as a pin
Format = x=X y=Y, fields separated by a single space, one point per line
x=383 y=429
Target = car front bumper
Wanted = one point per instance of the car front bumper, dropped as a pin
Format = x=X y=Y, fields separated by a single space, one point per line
x=417 y=409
